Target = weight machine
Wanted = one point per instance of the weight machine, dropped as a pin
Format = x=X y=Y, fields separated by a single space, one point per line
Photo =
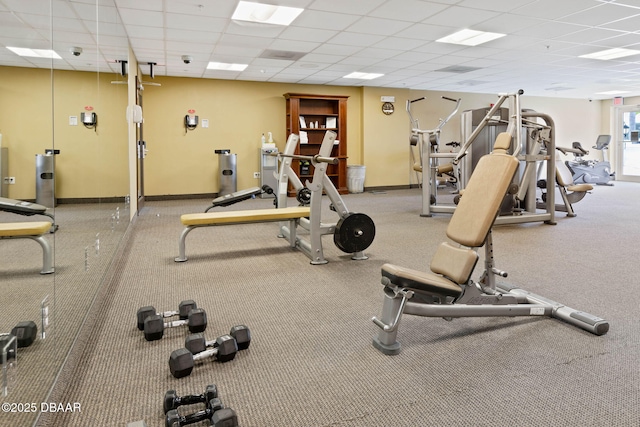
x=447 y=290
x=534 y=142
x=427 y=167
x=353 y=233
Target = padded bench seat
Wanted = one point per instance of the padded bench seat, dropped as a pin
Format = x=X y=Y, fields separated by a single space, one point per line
x=420 y=280
x=207 y=219
x=243 y=217
x=34 y=231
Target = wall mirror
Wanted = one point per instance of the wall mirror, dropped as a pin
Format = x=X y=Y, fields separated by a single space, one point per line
x=75 y=106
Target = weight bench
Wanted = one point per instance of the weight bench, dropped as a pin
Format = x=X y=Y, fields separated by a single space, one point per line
x=239 y=196
x=447 y=290
x=34 y=231
x=25 y=208
x=192 y=221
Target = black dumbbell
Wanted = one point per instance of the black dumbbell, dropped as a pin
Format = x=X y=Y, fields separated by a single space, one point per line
x=25 y=332
x=197 y=343
x=173 y=401
x=181 y=361
x=183 y=311
x=155 y=325
x=215 y=413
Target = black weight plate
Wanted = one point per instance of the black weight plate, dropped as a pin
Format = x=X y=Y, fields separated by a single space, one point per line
x=303 y=196
x=354 y=233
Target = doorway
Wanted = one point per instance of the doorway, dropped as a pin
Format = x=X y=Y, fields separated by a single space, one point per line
x=626 y=136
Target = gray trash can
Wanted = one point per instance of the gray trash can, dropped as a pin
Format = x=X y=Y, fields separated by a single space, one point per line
x=227 y=170
x=45 y=182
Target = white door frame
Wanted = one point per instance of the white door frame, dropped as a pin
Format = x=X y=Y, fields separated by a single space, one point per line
x=616 y=157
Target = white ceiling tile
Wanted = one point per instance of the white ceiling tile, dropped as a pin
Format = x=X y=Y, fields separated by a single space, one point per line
x=600 y=15
x=155 y=33
x=354 y=39
x=381 y=26
x=461 y=17
x=496 y=5
x=393 y=37
x=408 y=10
x=554 y=9
x=399 y=44
x=195 y=23
x=293 y=46
x=307 y=34
x=192 y=36
x=351 y=7
x=336 y=49
x=142 y=17
x=324 y=20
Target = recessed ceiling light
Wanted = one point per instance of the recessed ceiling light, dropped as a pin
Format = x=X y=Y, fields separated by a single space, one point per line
x=612 y=92
x=363 y=76
x=226 y=67
x=34 y=53
x=611 y=54
x=470 y=37
x=265 y=13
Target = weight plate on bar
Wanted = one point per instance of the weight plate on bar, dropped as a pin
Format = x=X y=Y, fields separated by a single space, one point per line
x=354 y=233
x=303 y=196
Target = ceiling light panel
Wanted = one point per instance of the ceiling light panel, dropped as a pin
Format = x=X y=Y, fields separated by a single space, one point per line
x=223 y=66
x=363 y=76
x=470 y=37
x=265 y=13
x=606 y=55
x=34 y=53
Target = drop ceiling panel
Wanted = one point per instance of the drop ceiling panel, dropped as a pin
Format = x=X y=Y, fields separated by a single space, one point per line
x=394 y=37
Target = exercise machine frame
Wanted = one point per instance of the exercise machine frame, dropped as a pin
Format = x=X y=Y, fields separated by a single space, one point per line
x=448 y=290
x=528 y=152
x=428 y=143
x=320 y=183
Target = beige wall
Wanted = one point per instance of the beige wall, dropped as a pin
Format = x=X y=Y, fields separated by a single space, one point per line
x=90 y=164
x=181 y=162
x=184 y=162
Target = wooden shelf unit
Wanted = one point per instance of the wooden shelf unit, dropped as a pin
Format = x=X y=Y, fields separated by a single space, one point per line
x=319 y=109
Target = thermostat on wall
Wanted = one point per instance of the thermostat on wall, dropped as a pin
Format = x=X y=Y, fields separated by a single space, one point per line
x=387 y=99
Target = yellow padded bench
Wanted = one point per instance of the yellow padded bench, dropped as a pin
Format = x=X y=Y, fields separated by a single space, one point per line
x=34 y=231
x=191 y=221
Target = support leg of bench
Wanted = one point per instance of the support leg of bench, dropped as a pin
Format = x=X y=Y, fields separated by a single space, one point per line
x=47 y=254
x=392 y=308
x=293 y=225
x=181 y=244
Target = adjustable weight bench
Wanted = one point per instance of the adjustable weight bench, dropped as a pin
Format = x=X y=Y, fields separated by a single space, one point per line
x=447 y=290
x=192 y=221
x=34 y=231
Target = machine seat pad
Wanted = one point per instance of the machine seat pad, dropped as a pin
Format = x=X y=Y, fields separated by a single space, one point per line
x=475 y=214
x=445 y=168
x=14 y=229
x=421 y=281
x=231 y=198
x=580 y=188
x=243 y=217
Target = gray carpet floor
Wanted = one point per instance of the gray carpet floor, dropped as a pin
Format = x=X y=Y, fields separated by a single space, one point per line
x=311 y=362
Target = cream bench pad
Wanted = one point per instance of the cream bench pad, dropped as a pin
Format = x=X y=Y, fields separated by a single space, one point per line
x=191 y=221
x=34 y=231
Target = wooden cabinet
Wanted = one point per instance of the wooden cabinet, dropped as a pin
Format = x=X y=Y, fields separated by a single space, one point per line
x=310 y=116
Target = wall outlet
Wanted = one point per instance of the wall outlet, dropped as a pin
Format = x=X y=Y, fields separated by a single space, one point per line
x=9 y=180
x=256 y=175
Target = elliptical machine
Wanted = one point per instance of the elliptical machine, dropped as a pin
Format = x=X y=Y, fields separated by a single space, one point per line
x=591 y=171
